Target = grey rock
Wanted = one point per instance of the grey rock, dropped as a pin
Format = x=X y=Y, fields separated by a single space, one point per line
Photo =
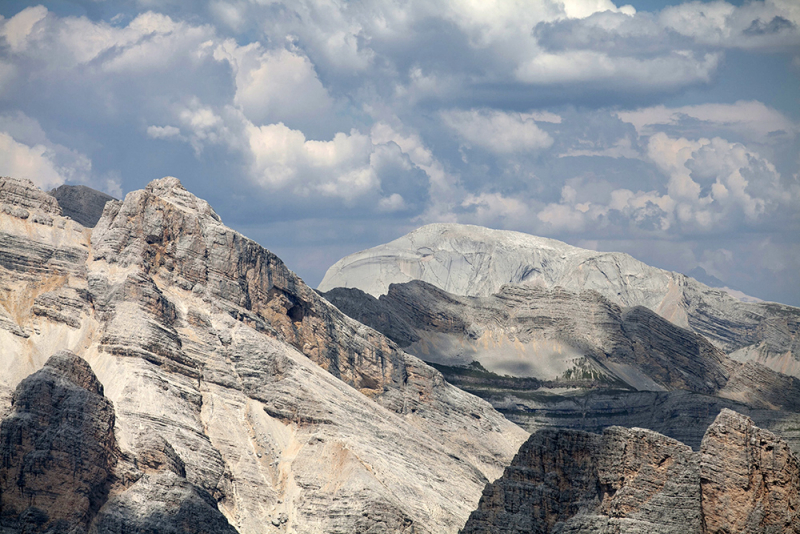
x=164 y=503
x=58 y=449
x=636 y=481
x=80 y=203
x=586 y=357
x=750 y=479
x=373 y=312
x=625 y=480
x=552 y=335
x=23 y=195
x=474 y=261
x=223 y=366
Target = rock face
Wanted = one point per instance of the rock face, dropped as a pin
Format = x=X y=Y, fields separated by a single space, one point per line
x=62 y=471
x=551 y=358
x=82 y=204
x=165 y=503
x=43 y=265
x=474 y=261
x=229 y=373
x=59 y=450
x=637 y=481
x=750 y=479
x=552 y=335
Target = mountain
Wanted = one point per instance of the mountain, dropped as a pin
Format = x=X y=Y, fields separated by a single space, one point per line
x=473 y=261
x=234 y=385
x=553 y=358
x=82 y=204
x=743 y=479
x=62 y=470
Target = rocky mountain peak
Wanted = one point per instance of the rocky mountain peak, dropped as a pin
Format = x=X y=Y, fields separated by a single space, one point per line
x=267 y=404
x=744 y=479
x=171 y=190
x=81 y=203
x=476 y=262
x=75 y=369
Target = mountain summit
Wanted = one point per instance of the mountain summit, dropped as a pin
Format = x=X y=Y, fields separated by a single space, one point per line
x=474 y=261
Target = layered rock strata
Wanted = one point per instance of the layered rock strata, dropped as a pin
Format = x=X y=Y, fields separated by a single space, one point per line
x=552 y=335
x=474 y=261
x=44 y=303
x=576 y=360
x=744 y=479
x=290 y=415
x=62 y=471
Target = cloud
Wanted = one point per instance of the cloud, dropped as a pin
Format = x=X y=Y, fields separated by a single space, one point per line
x=713 y=180
x=26 y=152
x=679 y=68
x=386 y=115
x=496 y=131
x=622 y=148
x=274 y=85
x=752 y=119
x=772 y=24
x=283 y=158
x=164 y=132
x=493 y=210
x=354 y=167
x=17 y=29
x=148 y=42
x=22 y=161
x=712 y=187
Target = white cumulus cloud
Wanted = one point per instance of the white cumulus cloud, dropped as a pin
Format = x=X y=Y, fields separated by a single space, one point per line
x=497 y=131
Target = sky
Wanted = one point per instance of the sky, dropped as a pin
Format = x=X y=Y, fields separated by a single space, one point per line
x=667 y=130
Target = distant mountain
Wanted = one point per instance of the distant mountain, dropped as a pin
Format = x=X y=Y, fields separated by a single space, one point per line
x=550 y=357
x=237 y=391
x=473 y=261
x=82 y=204
x=700 y=274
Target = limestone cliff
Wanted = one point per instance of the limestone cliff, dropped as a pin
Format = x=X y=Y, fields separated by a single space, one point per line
x=262 y=396
x=624 y=481
x=553 y=335
x=550 y=357
x=474 y=261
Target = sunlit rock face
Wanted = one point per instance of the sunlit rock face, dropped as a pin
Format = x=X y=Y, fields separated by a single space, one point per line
x=744 y=479
x=470 y=260
x=232 y=380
